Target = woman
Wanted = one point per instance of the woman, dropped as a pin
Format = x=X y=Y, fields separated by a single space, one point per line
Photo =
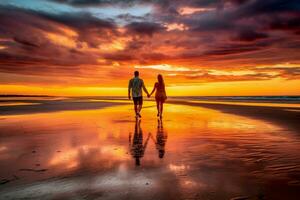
x=161 y=139
x=160 y=95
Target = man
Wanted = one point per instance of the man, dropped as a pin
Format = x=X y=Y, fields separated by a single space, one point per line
x=135 y=86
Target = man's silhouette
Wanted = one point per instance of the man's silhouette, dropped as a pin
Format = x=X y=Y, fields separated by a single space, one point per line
x=136 y=146
x=135 y=86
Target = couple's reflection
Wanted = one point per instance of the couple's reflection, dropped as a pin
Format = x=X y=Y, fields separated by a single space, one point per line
x=137 y=146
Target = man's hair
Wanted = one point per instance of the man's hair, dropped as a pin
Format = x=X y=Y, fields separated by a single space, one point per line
x=136 y=73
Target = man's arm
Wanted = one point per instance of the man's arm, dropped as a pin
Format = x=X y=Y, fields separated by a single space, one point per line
x=145 y=89
x=129 y=89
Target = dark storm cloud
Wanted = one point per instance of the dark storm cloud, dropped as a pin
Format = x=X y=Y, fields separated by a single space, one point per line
x=28 y=50
x=226 y=49
x=144 y=28
x=249 y=35
x=290 y=24
x=24 y=42
x=246 y=7
x=130 y=18
x=80 y=21
x=252 y=8
x=226 y=19
x=87 y=26
x=162 y=3
x=18 y=21
x=95 y=2
x=90 y=29
x=136 y=45
x=83 y=3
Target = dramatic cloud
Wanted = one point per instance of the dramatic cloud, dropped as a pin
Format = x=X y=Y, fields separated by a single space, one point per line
x=144 y=28
x=186 y=40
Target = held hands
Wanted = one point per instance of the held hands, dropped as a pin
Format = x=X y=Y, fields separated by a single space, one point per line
x=148 y=95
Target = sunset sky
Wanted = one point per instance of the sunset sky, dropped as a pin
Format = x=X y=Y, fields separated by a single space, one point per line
x=201 y=47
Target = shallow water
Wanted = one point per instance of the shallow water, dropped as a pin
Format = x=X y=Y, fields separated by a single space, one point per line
x=193 y=153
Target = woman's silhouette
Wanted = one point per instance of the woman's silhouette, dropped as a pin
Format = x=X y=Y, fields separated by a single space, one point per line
x=160 y=95
x=161 y=139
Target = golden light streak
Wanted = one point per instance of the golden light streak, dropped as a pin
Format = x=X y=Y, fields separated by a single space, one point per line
x=115 y=45
x=282 y=65
x=17 y=103
x=190 y=10
x=165 y=67
x=61 y=40
x=235 y=73
x=69 y=32
x=176 y=26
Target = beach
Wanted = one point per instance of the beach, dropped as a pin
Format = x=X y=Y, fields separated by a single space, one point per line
x=86 y=148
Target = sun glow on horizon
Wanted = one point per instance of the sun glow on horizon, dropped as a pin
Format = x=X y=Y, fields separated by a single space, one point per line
x=165 y=67
x=271 y=87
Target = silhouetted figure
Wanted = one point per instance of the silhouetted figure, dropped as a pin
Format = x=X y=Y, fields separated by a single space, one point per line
x=161 y=139
x=137 y=148
x=135 y=86
x=160 y=95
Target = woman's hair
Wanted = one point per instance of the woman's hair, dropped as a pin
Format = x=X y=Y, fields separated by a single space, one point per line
x=160 y=80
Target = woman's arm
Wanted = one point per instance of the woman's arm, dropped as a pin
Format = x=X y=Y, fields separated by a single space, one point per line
x=155 y=85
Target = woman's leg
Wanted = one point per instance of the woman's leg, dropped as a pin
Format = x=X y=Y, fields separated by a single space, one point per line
x=157 y=106
x=161 y=107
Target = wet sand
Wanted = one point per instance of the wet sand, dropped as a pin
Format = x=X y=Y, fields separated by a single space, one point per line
x=19 y=106
x=285 y=114
x=195 y=152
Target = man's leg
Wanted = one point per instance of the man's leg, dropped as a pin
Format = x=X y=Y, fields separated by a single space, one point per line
x=140 y=107
x=135 y=105
x=140 y=102
x=136 y=108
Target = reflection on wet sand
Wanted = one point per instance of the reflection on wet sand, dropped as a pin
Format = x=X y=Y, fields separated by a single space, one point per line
x=196 y=154
x=136 y=145
x=161 y=139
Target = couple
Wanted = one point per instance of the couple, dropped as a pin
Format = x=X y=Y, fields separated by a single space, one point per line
x=135 y=87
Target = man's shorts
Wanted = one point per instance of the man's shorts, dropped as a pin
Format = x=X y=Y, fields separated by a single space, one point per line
x=137 y=100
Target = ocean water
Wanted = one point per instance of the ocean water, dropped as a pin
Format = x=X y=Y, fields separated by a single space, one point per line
x=245 y=98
